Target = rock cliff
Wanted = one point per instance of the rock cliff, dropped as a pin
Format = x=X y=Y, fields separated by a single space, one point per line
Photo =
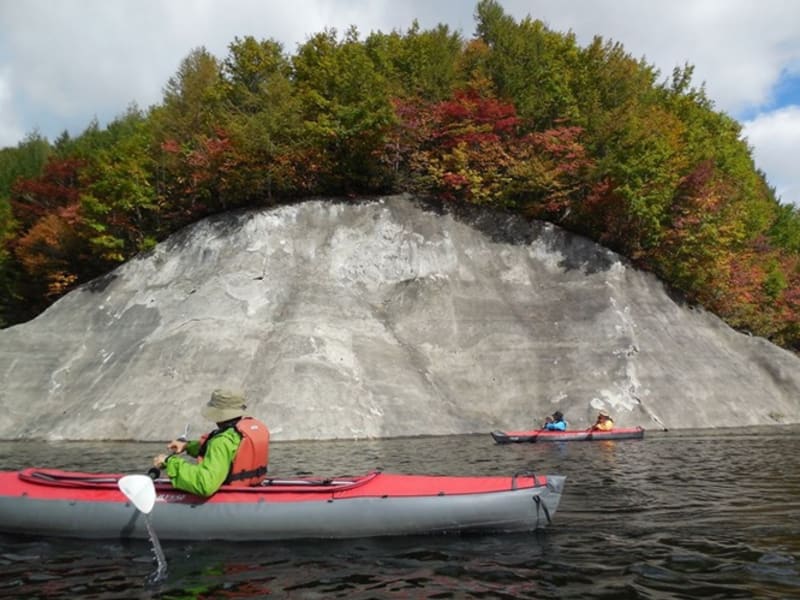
x=378 y=318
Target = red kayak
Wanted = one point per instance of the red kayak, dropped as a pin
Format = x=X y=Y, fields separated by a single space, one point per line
x=570 y=435
x=49 y=502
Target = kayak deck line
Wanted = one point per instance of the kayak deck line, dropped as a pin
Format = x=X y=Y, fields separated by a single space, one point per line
x=58 y=478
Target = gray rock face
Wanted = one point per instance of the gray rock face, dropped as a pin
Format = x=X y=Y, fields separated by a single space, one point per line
x=376 y=319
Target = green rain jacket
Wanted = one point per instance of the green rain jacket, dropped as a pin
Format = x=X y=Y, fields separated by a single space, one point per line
x=205 y=477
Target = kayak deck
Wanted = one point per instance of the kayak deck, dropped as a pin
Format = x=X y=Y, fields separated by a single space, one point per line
x=44 y=483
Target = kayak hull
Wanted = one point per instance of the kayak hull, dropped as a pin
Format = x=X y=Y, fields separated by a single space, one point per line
x=574 y=435
x=378 y=504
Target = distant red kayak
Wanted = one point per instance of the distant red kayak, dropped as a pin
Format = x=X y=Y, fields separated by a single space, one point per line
x=571 y=435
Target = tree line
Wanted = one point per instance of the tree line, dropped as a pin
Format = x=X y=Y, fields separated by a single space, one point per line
x=518 y=117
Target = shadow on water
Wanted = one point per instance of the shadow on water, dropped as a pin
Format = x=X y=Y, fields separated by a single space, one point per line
x=708 y=514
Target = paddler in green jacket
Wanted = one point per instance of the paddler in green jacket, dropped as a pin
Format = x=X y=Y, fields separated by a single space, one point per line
x=235 y=453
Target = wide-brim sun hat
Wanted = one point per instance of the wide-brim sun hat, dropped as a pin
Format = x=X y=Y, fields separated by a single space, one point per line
x=224 y=405
x=603 y=413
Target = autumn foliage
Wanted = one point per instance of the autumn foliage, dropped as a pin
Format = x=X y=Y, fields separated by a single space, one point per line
x=519 y=118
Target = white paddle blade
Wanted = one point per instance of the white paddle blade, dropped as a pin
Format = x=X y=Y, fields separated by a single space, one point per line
x=139 y=489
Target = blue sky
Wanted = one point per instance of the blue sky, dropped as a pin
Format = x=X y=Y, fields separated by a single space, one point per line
x=65 y=62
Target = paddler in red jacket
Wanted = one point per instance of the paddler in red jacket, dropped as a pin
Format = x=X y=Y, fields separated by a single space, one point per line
x=235 y=453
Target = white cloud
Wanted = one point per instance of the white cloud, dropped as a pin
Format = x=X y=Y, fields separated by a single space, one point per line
x=738 y=47
x=775 y=139
x=10 y=132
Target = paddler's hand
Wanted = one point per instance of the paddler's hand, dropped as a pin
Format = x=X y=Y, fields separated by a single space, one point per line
x=176 y=446
x=159 y=462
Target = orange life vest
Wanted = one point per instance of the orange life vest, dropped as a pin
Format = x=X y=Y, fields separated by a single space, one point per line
x=251 y=461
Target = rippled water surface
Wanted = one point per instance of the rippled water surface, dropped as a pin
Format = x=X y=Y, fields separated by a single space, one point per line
x=709 y=514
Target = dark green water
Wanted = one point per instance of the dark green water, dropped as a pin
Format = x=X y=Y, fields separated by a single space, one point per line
x=704 y=514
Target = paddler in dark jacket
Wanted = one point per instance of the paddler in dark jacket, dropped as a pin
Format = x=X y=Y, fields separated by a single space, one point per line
x=235 y=453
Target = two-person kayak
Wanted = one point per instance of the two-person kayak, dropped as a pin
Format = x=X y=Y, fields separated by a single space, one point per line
x=50 y=502
x=570 y=435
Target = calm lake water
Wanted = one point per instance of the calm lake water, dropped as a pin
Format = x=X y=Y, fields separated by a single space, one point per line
x=701 y=514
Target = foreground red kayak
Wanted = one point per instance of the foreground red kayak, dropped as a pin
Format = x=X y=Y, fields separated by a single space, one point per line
x=571 y=435
x=51 y=502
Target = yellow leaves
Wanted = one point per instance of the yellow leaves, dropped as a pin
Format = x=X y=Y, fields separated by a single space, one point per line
x=108 y=248
x=471 y=174
x=45 y=252
x=59 y=283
